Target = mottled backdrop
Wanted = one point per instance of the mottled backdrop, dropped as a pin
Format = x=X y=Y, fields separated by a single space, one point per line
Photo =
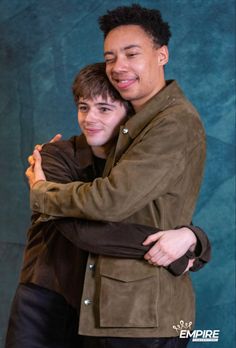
x=42 y=46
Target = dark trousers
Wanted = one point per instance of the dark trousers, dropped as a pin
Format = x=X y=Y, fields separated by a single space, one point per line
x=115 y=342
x=41 y=318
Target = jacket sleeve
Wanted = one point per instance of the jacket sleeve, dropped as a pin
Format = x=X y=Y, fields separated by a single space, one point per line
x=202 y=253
x=146 y=171
x=55 y=165
x=125 y=240
x=58 y=167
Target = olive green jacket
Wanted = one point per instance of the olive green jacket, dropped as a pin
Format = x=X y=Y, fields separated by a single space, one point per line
x=152 y=177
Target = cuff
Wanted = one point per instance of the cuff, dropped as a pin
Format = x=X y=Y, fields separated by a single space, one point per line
x=37 y=196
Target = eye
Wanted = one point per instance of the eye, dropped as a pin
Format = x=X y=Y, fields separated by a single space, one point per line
x=104 y=109
x=109 y=59
x=132 y=54
x=83 y=108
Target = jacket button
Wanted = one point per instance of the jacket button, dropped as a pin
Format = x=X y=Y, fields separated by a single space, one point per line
x=91 y=267
x=87 y=302
x=125 y=130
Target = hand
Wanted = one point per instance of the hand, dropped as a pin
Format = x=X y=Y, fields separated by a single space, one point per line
x=35 y=173
x=170 y=245
x=38 y=147
x=190 y=264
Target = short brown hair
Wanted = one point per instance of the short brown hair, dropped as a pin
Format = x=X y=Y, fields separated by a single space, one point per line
x=92 y=82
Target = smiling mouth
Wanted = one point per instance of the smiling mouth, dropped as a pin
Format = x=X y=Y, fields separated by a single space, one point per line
x=124 y=84
x=92 y=131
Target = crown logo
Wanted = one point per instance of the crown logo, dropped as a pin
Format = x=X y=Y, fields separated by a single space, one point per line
x=182 y=326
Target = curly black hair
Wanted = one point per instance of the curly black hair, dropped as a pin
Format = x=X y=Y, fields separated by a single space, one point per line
x=149 y=20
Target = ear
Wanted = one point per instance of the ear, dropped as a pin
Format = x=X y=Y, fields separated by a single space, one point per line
x=163 y=55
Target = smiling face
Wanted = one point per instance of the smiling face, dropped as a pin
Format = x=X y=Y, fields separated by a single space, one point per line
x=134 y=64
x=99 y=120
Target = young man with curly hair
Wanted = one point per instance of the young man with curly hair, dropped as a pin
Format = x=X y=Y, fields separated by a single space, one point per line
x=152 y=176
x=46 y=306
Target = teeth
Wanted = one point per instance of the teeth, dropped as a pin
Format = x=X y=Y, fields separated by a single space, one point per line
x=122 y=81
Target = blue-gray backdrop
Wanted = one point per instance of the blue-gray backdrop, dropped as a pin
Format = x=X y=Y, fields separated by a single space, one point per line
x=43 y=44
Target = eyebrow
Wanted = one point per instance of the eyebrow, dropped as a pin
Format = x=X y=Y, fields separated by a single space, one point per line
x=99 y=104
x=123 y=49
x=106 y=104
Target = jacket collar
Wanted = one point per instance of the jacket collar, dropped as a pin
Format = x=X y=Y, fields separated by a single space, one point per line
x=152 y=108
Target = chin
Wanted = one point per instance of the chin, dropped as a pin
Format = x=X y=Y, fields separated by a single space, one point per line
x=126 y=95
x=94 y=142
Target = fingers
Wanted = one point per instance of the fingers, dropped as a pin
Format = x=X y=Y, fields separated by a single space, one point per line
x=39 y=147
x=164 y=262
x=37 y=158
x=152 y=238
x=35 y=163
x=38 y=171
x=190 y=264
x=160 y=259
x=30 y=175
x=154 y=251
x=159 y=255
x=56 y=138
x=31 y=160
x=29 y=171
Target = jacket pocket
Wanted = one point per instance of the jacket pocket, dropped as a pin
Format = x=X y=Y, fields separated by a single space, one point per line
x=128 y=294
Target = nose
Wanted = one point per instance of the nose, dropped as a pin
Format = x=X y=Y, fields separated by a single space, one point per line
x=91 y=116
x=119 y=65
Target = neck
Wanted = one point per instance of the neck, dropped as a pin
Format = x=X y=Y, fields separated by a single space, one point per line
x=103 y=150
x=99 y=151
